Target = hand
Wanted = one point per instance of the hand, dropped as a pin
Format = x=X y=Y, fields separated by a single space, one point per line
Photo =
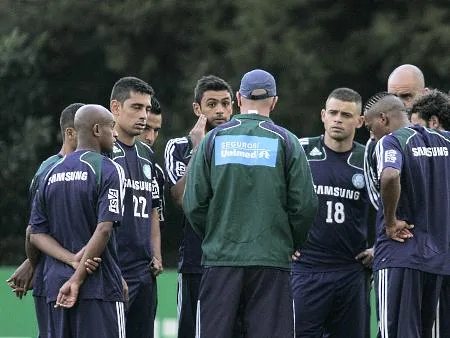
x=366 y=257
x=68 y=294
x=399 y=230
x=22 y=279
x=296 y=255
x=126 y=297
x=198 y=132
x=91 y=265
x=156 y=266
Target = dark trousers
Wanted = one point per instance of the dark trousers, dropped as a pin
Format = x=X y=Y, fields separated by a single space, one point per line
x=331 y=304
x=187 y=297
x=259 y=296
x=88 y=318
x=42 y=315
x=141 y=310
x=442 y=324
x=406 y=302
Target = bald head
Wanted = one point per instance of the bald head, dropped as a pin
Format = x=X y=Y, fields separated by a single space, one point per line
x=407 y=82
x=94 y=125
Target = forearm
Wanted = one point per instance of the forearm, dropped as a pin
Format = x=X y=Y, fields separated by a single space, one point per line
x=390 y=189
x=156 y=235
x=32 y=252
x=51 y=247
x=94 y=248
x=177 y=191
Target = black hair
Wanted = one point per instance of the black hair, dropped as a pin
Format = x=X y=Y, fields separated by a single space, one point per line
x=375 y=98
x=210 y=82
x=432 y=103
x=124 y=86
x=347 y=95
x=156 y=107
x=67 y=117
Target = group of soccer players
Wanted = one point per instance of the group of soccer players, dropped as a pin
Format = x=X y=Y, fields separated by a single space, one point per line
x=94 y=236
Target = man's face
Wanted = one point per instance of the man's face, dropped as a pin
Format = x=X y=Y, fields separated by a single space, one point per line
x=132 y=113
x=107 y=135
x=216 y=106
x=416 y=119
x=152 y=128
x=340 y=119
x=375 y=125
x=406 y=86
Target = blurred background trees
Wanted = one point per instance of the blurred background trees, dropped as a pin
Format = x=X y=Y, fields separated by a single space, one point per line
x=53 y=53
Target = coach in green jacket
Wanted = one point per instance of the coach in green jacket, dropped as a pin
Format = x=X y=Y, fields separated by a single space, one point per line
x=250 y=196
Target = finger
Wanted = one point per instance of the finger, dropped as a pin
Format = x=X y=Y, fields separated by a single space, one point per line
x=398 y=239
x=97 y=259
x=361 y=255
x=89 y=271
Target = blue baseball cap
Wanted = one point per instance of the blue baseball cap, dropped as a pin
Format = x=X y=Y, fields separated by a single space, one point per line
x=260 y=80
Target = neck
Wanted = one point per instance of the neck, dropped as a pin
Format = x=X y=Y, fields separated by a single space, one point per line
x=88 y=146
x=258 y=111
x=338 y=146
x=65 y=149
x=125 y=138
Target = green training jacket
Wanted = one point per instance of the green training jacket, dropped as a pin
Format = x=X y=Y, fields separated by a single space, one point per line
x=249 y=194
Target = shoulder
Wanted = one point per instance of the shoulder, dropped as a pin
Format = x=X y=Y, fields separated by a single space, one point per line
x=356 y=158
x=313 y=148
x=177 y=142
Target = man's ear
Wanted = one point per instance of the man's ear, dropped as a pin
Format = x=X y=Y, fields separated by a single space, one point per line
x=70 y=133
x=322 y=114
x=238 y=99
x=360 y=121
x=115 y=107
x=196 y=108
x=434 y=122
x=96 y=130
x=274 y=103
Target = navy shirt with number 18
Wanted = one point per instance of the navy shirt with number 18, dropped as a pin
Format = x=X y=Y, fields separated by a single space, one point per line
x=339 y=231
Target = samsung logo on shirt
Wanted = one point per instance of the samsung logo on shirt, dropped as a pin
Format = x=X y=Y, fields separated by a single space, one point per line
x=138 y=185
x=68 y=176
x=337 y=192
x=430 y=151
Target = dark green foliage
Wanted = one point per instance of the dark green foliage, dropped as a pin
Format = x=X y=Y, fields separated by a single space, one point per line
x=53 y=53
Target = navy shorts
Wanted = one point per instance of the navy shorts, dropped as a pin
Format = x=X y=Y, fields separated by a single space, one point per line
x=406 y=302
x=187 y=297
x=245 y=301
x=42 y=315
x=141 y=309
x=441 y=327
x=331 y=304
x=88 y=318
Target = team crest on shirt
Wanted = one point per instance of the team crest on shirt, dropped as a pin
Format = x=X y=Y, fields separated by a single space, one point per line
x=358 y=181
x=147 y=171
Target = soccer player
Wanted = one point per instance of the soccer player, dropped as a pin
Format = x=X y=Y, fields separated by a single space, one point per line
x=408 y=83
x=329 y=277
x=249 y=195
x=413 y=235
x=213 y=98
x=434 y=108
x=138 y=237
x=29 y=274
x=149 y=136
x=78 y=204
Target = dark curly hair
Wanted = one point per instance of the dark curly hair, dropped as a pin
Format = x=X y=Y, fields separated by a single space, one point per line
x=432 y=103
